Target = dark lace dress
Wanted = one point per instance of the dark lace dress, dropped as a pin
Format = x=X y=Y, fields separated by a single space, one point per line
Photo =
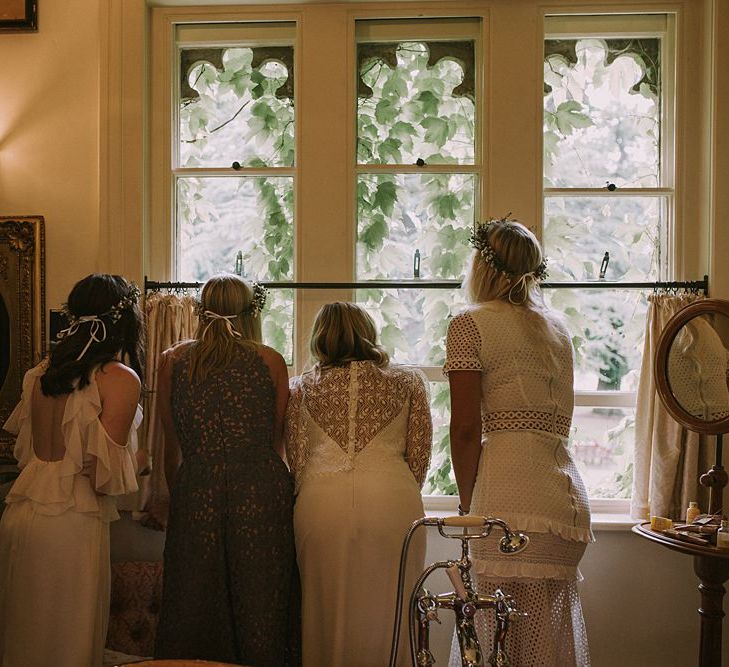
x=230 y=581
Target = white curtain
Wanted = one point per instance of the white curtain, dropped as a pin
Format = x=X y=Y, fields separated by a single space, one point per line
x=169 y=320
x=668 y=458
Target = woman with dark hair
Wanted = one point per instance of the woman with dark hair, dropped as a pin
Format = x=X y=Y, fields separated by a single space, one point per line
x=76 y=436
x=509 y=366
x=229 y=561
x=358 y=435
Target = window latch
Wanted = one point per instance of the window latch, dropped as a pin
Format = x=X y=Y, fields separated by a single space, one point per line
x=604 y=264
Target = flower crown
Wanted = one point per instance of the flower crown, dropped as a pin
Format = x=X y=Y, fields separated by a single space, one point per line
x=259 y=300
x=254 y=308
x=479 y=239
x=114 y=313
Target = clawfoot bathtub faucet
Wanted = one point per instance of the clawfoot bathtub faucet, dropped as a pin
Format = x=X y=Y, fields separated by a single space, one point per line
x=464 y=601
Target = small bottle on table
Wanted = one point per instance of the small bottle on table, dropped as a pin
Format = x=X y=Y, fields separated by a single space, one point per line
x=692 y=512
x=722 y=535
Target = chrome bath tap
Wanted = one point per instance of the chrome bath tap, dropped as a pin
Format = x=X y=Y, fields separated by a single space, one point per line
x=464 y=601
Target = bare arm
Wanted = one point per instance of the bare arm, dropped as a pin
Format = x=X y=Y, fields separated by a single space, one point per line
x=280 y=376
x=119 y=390
x=172 y=452
x=292 y=438
x=465 y=430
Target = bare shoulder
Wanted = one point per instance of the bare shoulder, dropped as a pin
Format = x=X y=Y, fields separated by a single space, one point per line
x=272 y=358
x=117 y=377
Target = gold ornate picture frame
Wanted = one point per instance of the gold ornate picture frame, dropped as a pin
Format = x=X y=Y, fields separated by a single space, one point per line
x=22 y=311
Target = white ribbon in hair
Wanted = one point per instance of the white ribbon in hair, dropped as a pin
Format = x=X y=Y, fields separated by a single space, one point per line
x=522 y=284
x=97 y=324
x=209 y=314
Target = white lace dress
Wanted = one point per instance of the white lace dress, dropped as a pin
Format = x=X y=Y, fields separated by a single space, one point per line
x=54 y=536
x=527 y=477
x=358 y=439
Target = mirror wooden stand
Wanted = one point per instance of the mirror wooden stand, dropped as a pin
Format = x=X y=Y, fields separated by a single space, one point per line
x=696 y=395
x=691 y=371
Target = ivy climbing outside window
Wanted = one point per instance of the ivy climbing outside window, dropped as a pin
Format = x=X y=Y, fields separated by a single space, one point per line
x=605 y=177
x=416 y=107
x=235 y=117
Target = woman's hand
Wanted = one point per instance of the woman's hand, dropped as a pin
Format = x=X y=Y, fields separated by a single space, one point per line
x=157 y=515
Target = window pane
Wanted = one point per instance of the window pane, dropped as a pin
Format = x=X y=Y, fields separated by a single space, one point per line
x=219 y=217
x=222 y=219
x=579 y=230
x=607 y=329
x=602 y=113
x=413 y=322
x=236 y=105
x=277 y=322
x=398 y=214
x=415 y=101
x=601 y=443
x=440 y=479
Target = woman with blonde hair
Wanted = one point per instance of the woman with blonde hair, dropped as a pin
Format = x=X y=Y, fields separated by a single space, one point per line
x=358 y=436
x=509 y=365
x=229 y=563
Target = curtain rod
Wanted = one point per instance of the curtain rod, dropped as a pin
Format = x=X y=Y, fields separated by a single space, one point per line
x=695 y=285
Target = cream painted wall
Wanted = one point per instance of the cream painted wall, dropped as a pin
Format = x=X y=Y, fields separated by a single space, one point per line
x=49 y=143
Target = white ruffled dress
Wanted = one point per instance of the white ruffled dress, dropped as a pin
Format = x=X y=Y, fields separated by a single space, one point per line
x=527 y=477
x=54 y=536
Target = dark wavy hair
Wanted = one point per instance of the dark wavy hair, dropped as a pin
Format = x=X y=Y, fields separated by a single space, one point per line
x=96 y=295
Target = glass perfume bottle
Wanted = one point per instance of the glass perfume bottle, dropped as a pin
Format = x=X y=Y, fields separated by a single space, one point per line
x=692 y=512
x=722 y=535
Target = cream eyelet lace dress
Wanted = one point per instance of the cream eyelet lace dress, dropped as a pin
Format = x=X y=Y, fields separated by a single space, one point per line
x=527 y=477
x=358 y=438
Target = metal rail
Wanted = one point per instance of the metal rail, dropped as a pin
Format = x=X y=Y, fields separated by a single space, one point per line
x=692 y=285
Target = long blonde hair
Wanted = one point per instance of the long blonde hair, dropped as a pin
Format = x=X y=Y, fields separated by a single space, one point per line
x=216 y=345
x=345 y=332
x=516 y=248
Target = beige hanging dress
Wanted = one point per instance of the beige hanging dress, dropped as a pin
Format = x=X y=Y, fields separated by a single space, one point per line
x=359 y=440
x=54 y=535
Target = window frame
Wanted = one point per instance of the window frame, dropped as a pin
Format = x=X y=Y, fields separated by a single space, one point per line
x=570 y=26
x=163 y=146
x=497 y=193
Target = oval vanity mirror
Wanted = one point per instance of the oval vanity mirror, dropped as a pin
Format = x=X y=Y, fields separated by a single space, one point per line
x=691 y=373
x=692 y=366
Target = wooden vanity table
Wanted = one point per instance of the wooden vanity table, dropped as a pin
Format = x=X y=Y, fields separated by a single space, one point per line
x=711 y=566
x=691 y=370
